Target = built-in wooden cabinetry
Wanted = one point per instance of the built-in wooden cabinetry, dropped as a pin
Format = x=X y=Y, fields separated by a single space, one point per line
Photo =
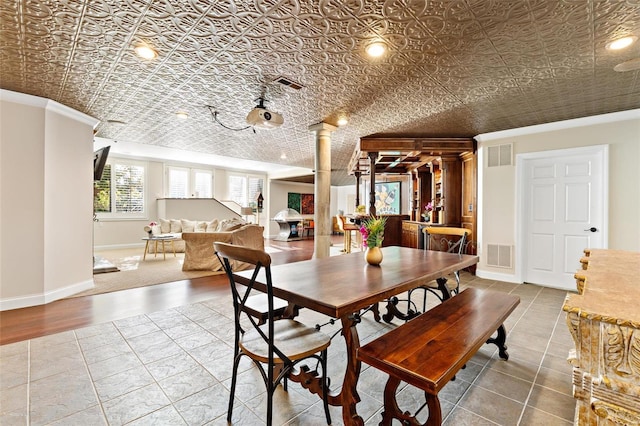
x=443 y=171
x=421 y=179
x=412 y=235
x=469 y=195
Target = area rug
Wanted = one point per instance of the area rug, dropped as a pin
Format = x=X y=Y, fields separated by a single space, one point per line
x=135 y=272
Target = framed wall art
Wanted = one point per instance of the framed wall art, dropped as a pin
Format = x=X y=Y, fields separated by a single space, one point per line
x=387 y=198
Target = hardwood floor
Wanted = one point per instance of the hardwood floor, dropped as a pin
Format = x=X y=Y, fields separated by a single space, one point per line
x=68 y=314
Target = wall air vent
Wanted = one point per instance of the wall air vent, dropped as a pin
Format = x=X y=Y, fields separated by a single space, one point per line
x=499 y=256
x=288 y=82
x=499 y=155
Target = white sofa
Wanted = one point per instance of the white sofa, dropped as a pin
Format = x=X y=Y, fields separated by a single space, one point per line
x=175 y=228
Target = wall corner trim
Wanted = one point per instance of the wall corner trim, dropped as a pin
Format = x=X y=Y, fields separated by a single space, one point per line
x=48 y=104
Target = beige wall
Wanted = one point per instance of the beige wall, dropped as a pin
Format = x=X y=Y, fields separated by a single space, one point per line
x=46 y=159
x=498 y=184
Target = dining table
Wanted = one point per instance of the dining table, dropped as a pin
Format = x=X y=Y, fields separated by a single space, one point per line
x=344 y=286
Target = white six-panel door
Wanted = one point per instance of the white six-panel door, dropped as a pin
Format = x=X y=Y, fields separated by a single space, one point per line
x=563 y=213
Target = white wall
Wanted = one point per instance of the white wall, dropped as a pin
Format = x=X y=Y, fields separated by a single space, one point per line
x=46 y=158
x=497 y=204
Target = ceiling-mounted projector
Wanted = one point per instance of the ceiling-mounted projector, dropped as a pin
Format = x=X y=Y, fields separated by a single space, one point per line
x=261 y=118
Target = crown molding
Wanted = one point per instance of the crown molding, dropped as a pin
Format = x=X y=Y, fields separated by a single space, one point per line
x=47 y=104
x=633 y=114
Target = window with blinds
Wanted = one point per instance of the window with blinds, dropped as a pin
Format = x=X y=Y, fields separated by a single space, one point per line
x=255 y=188
x=178 y=182
x=120 y=192
x=244 y=189
x=184 y=182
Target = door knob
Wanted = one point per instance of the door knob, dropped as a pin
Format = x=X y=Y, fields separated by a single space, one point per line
x=592 y=229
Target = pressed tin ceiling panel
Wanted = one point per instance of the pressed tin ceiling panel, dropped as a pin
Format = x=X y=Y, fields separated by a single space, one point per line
x=455 y=68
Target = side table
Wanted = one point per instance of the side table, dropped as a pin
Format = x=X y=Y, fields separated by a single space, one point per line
x=156 y=239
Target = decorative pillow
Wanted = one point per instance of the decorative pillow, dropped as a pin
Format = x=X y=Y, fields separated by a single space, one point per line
x=165 y=226
x=230 y=224
x=188 y=225
x=212 y=226
x=201 y=226
x=176 y=225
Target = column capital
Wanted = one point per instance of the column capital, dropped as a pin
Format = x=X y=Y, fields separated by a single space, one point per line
x=322 y=126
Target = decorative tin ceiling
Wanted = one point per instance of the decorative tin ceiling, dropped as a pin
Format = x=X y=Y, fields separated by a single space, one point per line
x=455 y=68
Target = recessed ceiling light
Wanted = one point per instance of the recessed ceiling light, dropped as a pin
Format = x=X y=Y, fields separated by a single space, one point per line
x=182 y=115
x=630 y=65
x=283 y=156
x=343 y=121
x=145 y=52
x=621 y=43
x=376 y=49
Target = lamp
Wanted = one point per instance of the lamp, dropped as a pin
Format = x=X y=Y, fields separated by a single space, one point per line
x=246 y=211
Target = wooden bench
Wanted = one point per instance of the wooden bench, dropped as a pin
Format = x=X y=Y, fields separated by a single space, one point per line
x=428 y=351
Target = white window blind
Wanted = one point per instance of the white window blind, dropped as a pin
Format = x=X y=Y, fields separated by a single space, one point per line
x=129 y=188
x=237 y=189
x=203 y=183
x=178 y=182
x=255 y=187
x=184 y=182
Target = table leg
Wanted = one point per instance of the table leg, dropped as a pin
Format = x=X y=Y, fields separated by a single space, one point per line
x=173 y=248
x=164 y=252
x=348 y=396
x=146 y=249
x=156 y=250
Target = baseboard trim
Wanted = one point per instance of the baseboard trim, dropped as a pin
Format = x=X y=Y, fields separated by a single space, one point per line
x=119 y=246
x=44 y=298
x=488 y=275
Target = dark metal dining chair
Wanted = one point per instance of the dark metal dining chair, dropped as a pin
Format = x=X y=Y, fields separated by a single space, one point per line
x=451 y=240
x=278 y=345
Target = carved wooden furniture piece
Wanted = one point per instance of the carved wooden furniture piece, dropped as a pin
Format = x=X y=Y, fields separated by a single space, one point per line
x=342 y=286
x=279 y=345
x=428 y=351
x=604 y=321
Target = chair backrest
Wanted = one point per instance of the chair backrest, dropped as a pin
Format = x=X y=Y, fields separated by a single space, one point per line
x=340 y=220
x=453 y=245
x=241 y=292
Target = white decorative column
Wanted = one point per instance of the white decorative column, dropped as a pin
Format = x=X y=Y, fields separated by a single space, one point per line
x=322 y=190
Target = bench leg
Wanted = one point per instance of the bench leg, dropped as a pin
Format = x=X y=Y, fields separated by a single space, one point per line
x=392 y=411
x=500 y=341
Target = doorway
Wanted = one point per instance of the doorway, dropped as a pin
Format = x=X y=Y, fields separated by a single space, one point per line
x=562 y=209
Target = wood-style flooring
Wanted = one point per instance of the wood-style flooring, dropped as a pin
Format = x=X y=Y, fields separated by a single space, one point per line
x=68 y=314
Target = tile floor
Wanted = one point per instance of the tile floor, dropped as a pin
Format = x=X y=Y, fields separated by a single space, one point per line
x=173 y=368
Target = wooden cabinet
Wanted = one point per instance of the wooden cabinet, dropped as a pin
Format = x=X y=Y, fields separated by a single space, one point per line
x=412 y=235
x=421 y=180
x=393 y=229
x=469 y=197
x=450 y=213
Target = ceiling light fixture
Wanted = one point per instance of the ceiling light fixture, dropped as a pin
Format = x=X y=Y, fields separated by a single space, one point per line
x=343 y=121
x=630 y=65
x=182 y=115
x=145 y=52
x=621 y=43
x=376 y=49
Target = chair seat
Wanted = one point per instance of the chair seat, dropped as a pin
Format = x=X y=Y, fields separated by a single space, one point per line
x=293 y=338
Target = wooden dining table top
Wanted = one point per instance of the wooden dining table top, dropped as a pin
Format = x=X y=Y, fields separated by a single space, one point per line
x=343 y=284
